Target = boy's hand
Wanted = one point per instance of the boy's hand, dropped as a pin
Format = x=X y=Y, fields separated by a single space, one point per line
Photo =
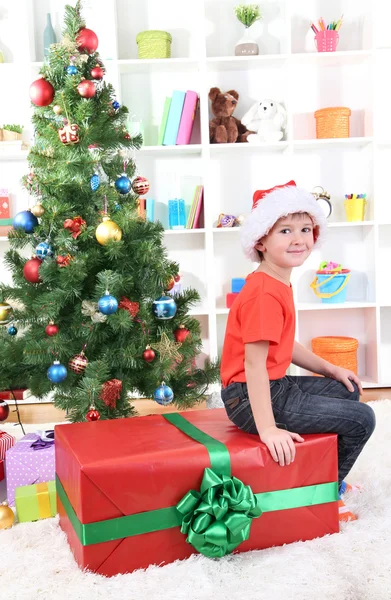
x=280 y=444
x=346 y=377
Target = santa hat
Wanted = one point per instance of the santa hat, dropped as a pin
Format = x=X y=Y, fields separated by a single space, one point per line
x=270 y=205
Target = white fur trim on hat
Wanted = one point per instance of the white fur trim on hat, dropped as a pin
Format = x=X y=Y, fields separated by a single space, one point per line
x=279 y=203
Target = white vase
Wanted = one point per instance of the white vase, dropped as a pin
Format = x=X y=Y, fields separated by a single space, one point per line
x=246 y=46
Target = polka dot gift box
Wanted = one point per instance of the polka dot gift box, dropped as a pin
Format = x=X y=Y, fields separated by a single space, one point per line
x=29 y=461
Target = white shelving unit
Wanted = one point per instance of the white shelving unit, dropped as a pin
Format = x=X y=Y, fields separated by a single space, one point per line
x=288 y=69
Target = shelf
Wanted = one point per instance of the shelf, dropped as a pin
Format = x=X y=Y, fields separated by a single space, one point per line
x=21 y=155
x=166 y=150
x=198 y=312
x=351 y=224
x=138 y=65
x=232 y=63
x=303 y=306
x=3 y=238
x=332 y=143
x=222 y=311
x=332 y=58
x=183 y=231
x=225 y=229
x=246 y=147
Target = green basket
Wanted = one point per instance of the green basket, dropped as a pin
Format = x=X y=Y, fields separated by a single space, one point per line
x=154 y=44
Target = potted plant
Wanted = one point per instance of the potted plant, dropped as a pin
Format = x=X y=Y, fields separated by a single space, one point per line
x=247 y=14
x=12 y=133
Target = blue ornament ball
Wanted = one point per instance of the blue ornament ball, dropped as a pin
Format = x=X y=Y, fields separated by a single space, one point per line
x=117 y=207
x=116 y=105
x=95 y=182
x=107 y=304
x=123 y=184
x=57 y=372
x=12 y=330
x=44 y=250
x=163 y=394
x=72 y=70
x=164 y=308
x=25 y=220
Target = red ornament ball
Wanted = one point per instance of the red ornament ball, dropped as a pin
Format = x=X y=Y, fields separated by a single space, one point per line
x=4 y=411
x=51 y=329
x=140 y=186
x=31 y=270
x=181 y=334
x=87 y=40
x=170 y=284
x=148 y=354
x=97 y=72
x=86 y=88
x=93 y=415
x=177 y=278
x=41 y=92
x=78 y=363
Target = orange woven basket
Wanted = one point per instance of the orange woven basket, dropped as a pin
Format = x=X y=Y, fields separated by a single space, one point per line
x=340 y=351
x=333 y=122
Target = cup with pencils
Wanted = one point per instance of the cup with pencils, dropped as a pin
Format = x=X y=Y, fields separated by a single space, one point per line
x=355 y=206
x=327 y=38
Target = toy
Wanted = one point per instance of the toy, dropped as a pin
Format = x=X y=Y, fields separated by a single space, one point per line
x=224 y=127
x=268 y=119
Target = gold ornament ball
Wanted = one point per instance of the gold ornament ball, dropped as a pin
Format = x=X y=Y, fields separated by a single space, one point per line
x=57 y=109
x=107 y=231
x=38 y=210
x=5 y=313
x=7 y=516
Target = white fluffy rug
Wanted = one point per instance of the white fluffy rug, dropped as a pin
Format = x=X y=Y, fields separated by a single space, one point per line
x=35 y=560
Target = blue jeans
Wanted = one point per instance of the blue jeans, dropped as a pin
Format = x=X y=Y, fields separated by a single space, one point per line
x=310 y=405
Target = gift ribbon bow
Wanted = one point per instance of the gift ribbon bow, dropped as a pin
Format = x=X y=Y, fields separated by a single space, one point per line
x=45 y=440
x=75 y=225
x=216 y=519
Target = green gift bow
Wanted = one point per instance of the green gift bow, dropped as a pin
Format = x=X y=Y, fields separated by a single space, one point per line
x=223 y=498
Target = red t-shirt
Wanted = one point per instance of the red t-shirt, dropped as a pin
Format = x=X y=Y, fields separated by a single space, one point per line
x=263 y=311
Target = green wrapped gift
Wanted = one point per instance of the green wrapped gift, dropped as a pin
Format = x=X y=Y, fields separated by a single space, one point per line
x=34 y=502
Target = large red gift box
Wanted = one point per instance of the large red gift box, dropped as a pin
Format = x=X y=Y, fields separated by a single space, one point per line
x=109 y=469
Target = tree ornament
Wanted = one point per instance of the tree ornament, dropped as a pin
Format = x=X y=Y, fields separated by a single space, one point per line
x=51 y=329
x=95 y=182
x=177 y=278
x=93 y=414
x=163 y=394
x=167 y=349
x=164 y=308
x=123 y=184
x=78 y=363
x=170 y=284
x=44 y=250
x=181 y=333
x=111 y=392
x=41 y=92
x=87 y=40
x=57 y=109
x=86 y=88
x=5 y=313
x=148 y=354
x=140 y=186
x=69 y=133
x=131 y=307
x=108 y=230
x=31 y=270
x=38 y=210
x=108 y=304
x=72 y=70
x=63 y=261
x=57 y=372
x=115 y=104
x=25 y=220
x=4 y=411
x=97 y=72
x=76 y=225
x=89 y=309
x=7 y=516
x=12 y=330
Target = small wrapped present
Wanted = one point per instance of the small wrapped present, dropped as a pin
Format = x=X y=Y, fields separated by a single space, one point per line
x=34 y=502
x=6 y=442
x=30 y=461
x=167 y=486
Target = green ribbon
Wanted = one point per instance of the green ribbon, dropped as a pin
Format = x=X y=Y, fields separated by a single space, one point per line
x=217 y=518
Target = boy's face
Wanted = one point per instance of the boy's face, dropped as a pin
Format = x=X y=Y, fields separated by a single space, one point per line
x=289 y=243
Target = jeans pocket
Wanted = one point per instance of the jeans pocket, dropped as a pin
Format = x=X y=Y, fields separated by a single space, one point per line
x=238 y=408
x=278 y=388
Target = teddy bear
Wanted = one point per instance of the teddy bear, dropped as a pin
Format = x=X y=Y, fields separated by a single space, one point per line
x=268 y=119
x=224 y=127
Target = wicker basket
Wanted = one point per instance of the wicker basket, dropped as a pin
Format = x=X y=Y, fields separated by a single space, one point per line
x=154 y=44
x=333 y=122
x=340 y=351
x=11 y=136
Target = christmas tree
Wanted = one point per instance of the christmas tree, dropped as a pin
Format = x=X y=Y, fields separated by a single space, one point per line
x=90 y=315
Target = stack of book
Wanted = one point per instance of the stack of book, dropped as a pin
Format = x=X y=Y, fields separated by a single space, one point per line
x=5 y=212
x=178 y=118
x=195 y=218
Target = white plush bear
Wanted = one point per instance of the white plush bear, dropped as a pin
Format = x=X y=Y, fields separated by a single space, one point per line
x=268 y=119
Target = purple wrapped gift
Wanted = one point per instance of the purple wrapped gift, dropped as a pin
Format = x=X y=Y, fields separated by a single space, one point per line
x=29 y=461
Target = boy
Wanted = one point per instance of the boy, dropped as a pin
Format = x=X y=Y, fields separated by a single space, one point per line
x=284 y=225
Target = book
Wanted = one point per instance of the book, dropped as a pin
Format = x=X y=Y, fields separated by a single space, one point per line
x=150 y=209
x=187 y=119
x=174 y=118
x=199 y=207
x=162 y=129
x=193 y=208
x=5 y=208
x=141 y=207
